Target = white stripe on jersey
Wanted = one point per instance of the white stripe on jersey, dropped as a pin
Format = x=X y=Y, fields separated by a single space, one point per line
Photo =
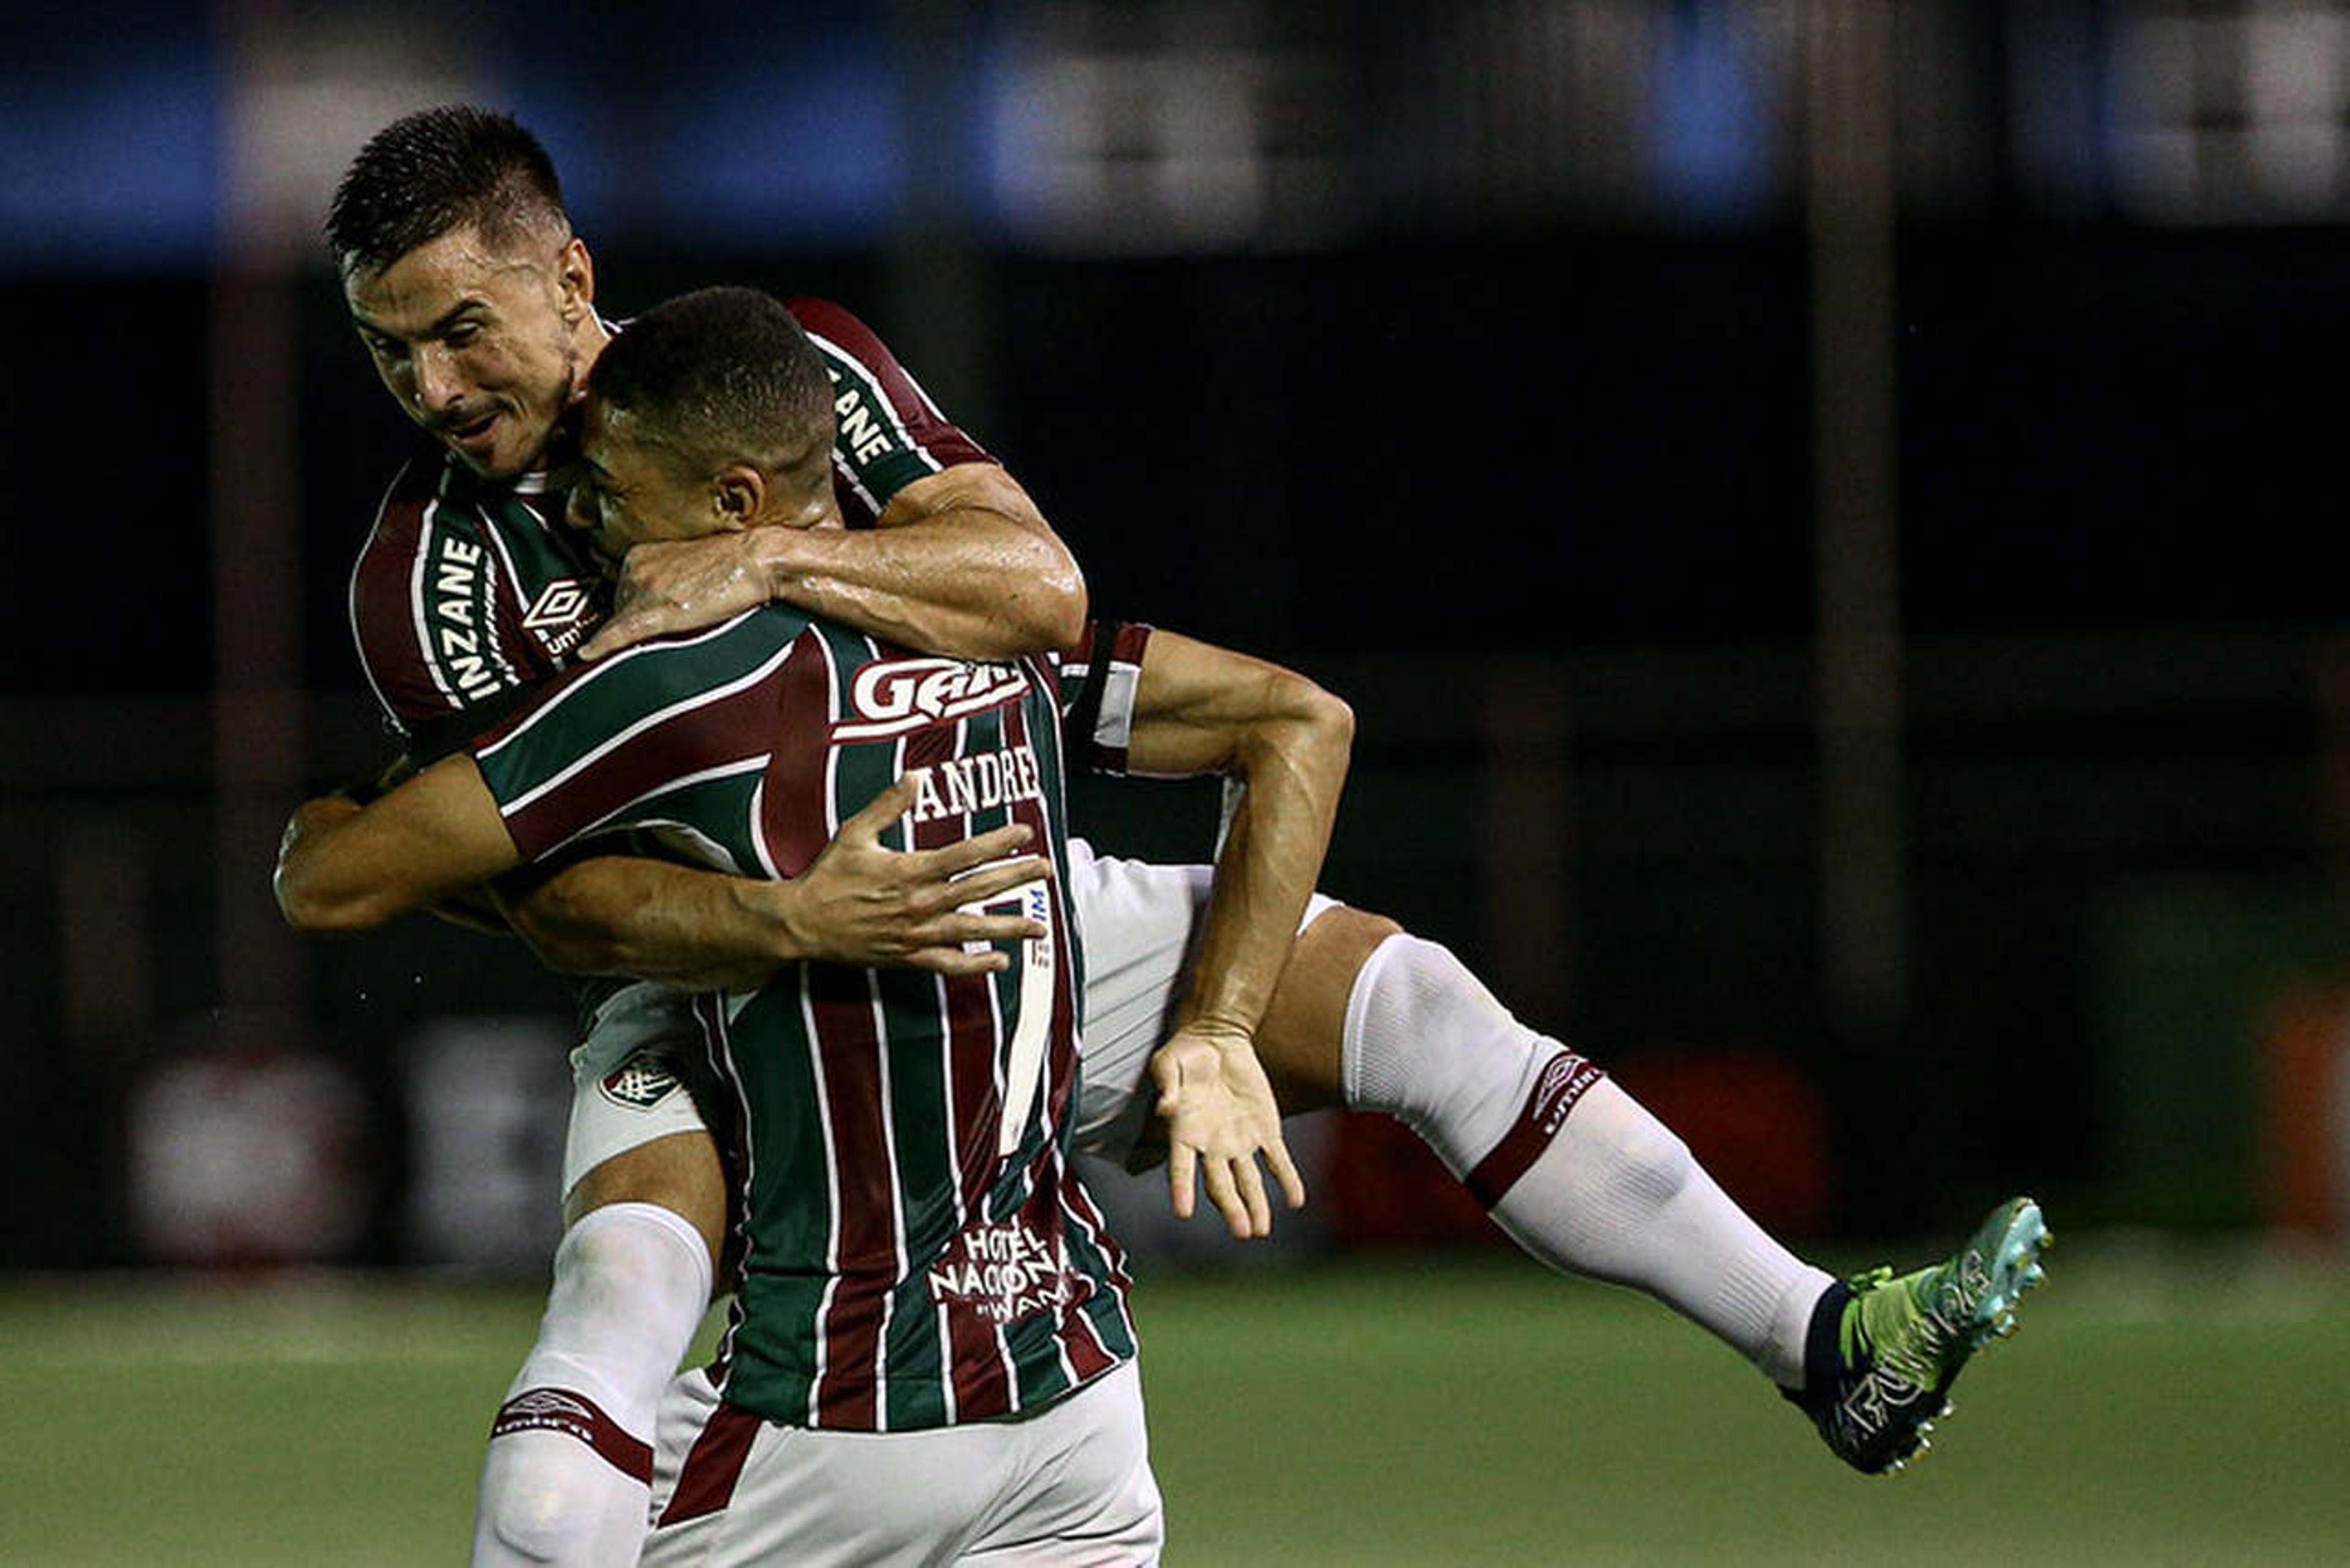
x=598 y=671
x=953 y=1120
x=901 y=1266
x=719 y=1045
x=1070 y=1213
x=820 y=1335
x=755 y=832
x=897 y=1198
x=823 y=1094
x=659 y=716
x=945 y=1335
x=684 y=781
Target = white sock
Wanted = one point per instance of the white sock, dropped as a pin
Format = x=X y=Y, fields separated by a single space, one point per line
x=569 y=1475
x=1607 y=1190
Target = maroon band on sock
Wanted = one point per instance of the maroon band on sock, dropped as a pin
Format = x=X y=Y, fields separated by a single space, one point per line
x=706 y=1483
x=576 y=1416
x=1564 y=1080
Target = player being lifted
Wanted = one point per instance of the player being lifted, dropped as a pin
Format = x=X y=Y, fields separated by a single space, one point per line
x=918 y=1265
x=476 y=301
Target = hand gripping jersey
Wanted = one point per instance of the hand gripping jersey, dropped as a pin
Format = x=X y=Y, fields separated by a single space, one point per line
x=469 y=590
x=916 y=1249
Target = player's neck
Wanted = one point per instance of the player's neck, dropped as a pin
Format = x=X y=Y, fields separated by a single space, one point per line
x=819 y=510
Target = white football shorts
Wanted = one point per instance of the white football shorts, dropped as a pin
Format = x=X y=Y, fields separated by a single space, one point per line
x=1068 y=1485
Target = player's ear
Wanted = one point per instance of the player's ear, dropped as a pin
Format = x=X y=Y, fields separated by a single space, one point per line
x=575 y=273
x=735 y=494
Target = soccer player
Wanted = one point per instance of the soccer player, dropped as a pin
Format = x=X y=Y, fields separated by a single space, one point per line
x=476 y=300
x=916 y=1254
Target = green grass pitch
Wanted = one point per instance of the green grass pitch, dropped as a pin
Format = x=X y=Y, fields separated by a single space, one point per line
x=2162 y=1407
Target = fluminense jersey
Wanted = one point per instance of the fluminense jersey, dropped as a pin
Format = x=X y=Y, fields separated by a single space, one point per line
x=469 y=590
x=916 y=1249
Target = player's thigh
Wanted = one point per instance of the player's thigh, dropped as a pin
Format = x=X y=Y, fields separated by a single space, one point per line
x=1302 y=1041
x=1138 y=922
x=637 y=1132
x=679 y=1170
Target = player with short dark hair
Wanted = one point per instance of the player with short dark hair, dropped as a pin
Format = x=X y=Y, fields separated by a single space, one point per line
x=470 y=590
x=430 y=174
x=916 y=1254
x=959 y=562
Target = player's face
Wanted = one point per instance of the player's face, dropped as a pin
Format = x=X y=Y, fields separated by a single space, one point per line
x=480 y=346
x=628 y=490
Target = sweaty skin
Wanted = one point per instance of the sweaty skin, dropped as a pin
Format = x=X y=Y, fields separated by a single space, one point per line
x=1198 y=708
x=485 y=346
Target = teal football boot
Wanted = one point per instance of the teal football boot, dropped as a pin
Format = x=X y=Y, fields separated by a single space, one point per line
x=1883 y=1352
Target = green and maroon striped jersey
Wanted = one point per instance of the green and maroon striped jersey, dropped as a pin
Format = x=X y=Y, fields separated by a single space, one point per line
x=917 y=1250
x=469 y=590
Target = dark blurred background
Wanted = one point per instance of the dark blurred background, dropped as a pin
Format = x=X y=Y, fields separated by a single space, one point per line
x=1827 y=513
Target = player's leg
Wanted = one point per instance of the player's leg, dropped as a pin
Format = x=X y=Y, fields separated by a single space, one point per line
x=568 y=1471
x=1369 y=1017
x=1574 y=1169
x=1585 y=1179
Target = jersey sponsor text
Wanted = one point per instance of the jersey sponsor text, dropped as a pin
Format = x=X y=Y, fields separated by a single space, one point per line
x=962 y=785
x=457 y=627
x=1004 y=1272
x=897 y=696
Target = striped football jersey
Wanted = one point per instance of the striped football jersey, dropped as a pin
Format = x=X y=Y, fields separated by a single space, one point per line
x=468 y=590
x=916 y=1249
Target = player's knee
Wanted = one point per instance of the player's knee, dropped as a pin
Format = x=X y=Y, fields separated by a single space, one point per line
x=1650 y=1158
x=626 y=1257
x=598 y=1262
x=1443 y=1005
x=543 y=1507
x=1341 y=936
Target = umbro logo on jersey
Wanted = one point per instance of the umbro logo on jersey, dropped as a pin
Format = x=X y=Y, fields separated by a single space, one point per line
x=560 y=602
x=897 y=696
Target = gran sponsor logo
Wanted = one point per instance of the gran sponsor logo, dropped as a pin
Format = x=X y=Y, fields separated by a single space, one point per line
x=1004 y=1272
x=458 y=634
x=962 y=785
x=897 y=696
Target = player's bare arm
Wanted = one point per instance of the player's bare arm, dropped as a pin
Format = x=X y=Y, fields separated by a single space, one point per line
x=1202 y=710
x=959 y=562
x=860 y=903
x=342 y=866
x=345 y=868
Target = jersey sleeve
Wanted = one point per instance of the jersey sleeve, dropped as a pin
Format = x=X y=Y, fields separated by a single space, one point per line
x=425 y=597
x=1098 y=679
x=622 y=744
x=887 y=433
